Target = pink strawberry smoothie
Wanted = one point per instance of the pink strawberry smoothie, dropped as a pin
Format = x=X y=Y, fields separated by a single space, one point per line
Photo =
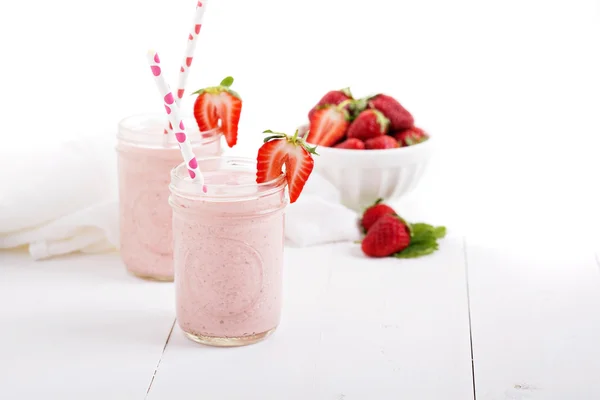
x=228 y=252
x=145 y=160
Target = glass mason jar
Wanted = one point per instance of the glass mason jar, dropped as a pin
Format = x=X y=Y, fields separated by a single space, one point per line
x=146 y=157
x=228 y=252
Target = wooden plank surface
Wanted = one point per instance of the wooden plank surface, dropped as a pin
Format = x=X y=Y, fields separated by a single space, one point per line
x=535 y=316
x=79 y=328
x=353 y=329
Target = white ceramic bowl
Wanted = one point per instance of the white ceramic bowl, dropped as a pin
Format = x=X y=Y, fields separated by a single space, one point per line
x=363 y=176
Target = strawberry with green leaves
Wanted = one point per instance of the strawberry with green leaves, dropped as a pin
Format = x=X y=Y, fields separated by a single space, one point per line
x=328 y=125
x=399 y=117
x=280 y=149
x=411 y=136
x=369 y=124
x=219 y=103
x=388 y=235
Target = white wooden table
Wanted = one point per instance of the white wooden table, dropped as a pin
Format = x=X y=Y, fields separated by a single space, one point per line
x=469 y=322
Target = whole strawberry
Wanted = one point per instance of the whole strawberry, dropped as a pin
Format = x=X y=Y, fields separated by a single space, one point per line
x=374 y=212
x=382 y=142
x=368 y=124
x=389 y=235
x=333 y=97
x=351 y=144
x=399 y=117
x=410 y=136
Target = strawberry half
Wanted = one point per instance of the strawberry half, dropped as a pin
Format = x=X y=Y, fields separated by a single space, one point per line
x=280 y=149
x=333 y=97
x=328 y=125
x=219 y=103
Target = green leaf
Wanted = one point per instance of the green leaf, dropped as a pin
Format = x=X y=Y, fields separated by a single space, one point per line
x=423 y=240
x=439 y=232
x=227 y=81
x=422 y=231
x=269 y=138
x=417 y=250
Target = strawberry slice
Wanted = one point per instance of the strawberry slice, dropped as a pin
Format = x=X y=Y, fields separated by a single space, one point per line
x=205 y=113
x=280 y=149
x=328 y=125
x=219 y=103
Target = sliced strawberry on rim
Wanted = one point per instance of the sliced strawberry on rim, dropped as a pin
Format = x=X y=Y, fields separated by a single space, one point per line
x=328 y=125
x=280 y=149
x=219 y=103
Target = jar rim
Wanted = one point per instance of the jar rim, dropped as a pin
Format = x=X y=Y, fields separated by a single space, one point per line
x=181 y=185
x=147 y=130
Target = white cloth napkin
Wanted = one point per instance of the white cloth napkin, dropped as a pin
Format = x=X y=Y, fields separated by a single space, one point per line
x=68 y=202
x=318 y=217
x=58 y=197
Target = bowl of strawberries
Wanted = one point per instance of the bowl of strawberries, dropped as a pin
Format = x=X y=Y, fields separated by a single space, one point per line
x=368 y=148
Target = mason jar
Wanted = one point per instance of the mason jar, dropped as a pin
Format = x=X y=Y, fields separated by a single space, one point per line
x=146 y=156
x=228 y=252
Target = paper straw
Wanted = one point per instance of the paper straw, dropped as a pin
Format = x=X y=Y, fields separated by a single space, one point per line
x=188 y=56
x=190 y=48
x=174 y=116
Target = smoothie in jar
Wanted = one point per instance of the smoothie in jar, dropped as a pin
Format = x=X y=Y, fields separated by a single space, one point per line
x=228 y=239
x=228 y=252
x=146 y=157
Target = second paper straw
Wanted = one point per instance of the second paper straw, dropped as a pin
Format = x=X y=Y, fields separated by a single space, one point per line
x=190 y=49
x=174 y=116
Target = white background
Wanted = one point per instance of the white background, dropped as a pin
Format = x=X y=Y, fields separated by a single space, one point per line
x=510 y=89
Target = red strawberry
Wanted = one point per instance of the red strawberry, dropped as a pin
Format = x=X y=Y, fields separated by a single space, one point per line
x=389 y=235
x=328 y=125
x=333 y=97
x=411 y=136
x=400 y=119
x=368 y=124
x=381 y=142
x=219 y=102
x=279 y=149
x=374 y=212
x=351 y=144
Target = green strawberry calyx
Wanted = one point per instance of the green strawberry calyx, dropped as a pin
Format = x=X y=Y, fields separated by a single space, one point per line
x=340 y=107
x=294 y=139
x=381 y=120
x=224 y=86
x=347 y=92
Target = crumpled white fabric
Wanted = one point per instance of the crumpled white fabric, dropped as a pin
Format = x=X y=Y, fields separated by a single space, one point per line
x=318 y=217
x=61 y=198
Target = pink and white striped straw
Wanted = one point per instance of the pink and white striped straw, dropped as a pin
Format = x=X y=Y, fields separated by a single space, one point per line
x=175 y=119
x=190 y=49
